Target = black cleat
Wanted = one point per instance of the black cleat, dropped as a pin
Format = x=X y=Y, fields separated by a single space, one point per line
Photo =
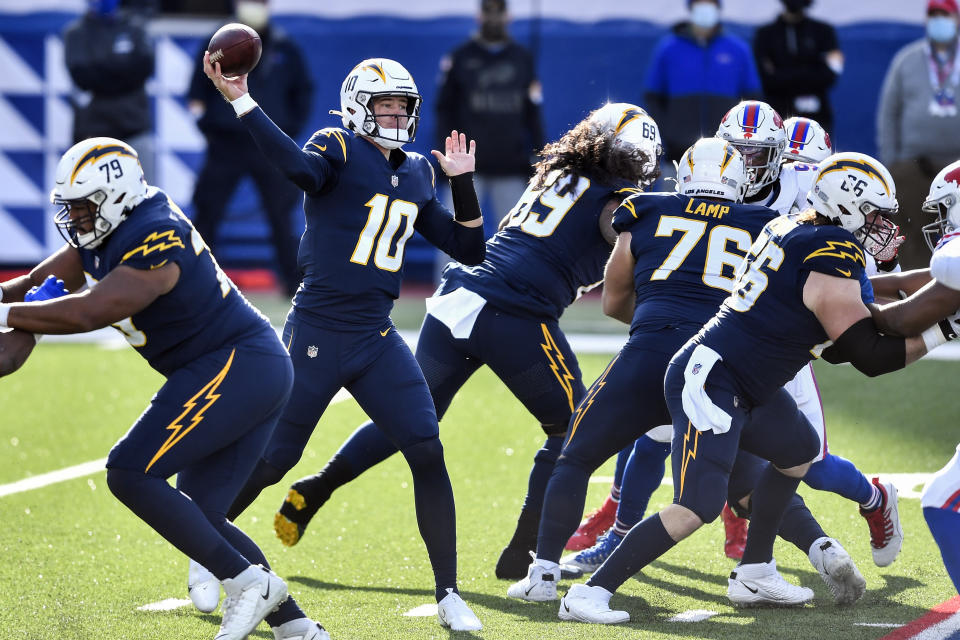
x=304 y=499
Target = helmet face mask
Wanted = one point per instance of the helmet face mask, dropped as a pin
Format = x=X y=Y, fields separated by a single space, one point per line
x=756 y=130
x=366 y=83
x=98 y=181
x=943 y=201
x=856 y=192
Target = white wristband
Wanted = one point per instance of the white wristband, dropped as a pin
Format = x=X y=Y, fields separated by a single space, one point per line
x=932 y=338
x=243 y=105
x=4 y=312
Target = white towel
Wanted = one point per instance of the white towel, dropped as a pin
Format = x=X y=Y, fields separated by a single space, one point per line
x=703 y=414
x=458 y=310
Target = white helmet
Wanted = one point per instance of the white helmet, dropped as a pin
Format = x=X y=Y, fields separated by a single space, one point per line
x=712 y=168
x=756 y=130
x=374 y=78
x=634 y=128
x=851 y=186
x=107 y=173
x=943 y=200
x=807 y=141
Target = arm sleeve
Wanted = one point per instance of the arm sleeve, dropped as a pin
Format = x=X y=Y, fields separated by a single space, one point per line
x=309 y=168
x=871 y=352
x=888 y=115
x=463 y=244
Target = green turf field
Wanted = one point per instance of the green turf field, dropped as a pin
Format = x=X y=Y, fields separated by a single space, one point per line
x=76 y=564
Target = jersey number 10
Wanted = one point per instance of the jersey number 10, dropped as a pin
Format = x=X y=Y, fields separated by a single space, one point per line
x=376 y=233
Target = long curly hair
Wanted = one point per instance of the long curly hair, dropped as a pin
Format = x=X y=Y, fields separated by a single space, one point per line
x=588 y=151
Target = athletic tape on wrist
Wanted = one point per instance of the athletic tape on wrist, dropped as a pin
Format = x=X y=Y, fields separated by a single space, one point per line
x=243 y=105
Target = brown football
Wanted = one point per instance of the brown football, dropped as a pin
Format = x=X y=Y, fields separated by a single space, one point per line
x=236 y=47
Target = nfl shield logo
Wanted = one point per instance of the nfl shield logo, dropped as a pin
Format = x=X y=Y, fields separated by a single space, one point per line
x=312 y=351
x=696 y=369
x=96 y=262
x=394 y=180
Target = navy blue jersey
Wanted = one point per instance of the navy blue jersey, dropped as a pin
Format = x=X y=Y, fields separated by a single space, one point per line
x=549 y=251
x=687 y=251
x=361 y=209
x=202 y=313
x=763 y=331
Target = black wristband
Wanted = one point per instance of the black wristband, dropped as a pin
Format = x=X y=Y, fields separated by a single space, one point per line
x=465 y=204
x=888 y=266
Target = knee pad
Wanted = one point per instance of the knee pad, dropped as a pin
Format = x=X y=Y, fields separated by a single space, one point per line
x=557 y=429
x=427 y=452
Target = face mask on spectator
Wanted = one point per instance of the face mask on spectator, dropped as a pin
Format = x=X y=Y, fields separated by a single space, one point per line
x=253 y=14
x=705 y=15
x=941 y=29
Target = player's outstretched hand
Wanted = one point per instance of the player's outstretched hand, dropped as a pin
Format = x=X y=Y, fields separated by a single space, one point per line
x=231 y=88
x=458 y=158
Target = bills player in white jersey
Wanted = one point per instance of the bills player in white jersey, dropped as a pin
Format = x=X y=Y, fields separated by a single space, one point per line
x=935 y=294
x=783 y=171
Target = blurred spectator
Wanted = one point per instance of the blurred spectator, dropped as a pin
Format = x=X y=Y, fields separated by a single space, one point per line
x=489 y=90
x=283 y=88
x=697 y=74
x=110 y=57
x=918 y=127
x=799 y=60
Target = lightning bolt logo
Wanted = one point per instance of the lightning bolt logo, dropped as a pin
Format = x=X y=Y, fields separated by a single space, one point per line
x=558 y=363
x=337 y=135
x=629 y=206
x=848 y=250
x=207 y=394
x=172 y=240
x=688 y=453
x=584 y=405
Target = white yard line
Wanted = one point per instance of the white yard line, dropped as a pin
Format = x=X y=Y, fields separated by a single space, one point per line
x=85 y=469
x=693 y=615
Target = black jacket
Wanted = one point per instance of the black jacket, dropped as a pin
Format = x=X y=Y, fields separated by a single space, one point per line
x=111 y=57
x=280 y=83
x=485 y=92
x=791 y=61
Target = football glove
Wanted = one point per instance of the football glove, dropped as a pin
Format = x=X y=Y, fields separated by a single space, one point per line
x=889 y=252
x=51 y=288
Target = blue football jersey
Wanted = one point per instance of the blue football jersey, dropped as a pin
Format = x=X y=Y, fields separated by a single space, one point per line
x=549 y=251
x=763 y=331
x=357 y=226
x=687 y=251
x=202 y=313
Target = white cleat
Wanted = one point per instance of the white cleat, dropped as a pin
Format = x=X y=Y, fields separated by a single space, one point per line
x=300 y=629
x=540 y=585
x=760 y=585
x=590 y=604
x=886 y=533
x=454 y=613
x=203 y=587
x=837 y=569
x=251 y=596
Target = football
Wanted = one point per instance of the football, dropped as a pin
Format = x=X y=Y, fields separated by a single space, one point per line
x=236 y=47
